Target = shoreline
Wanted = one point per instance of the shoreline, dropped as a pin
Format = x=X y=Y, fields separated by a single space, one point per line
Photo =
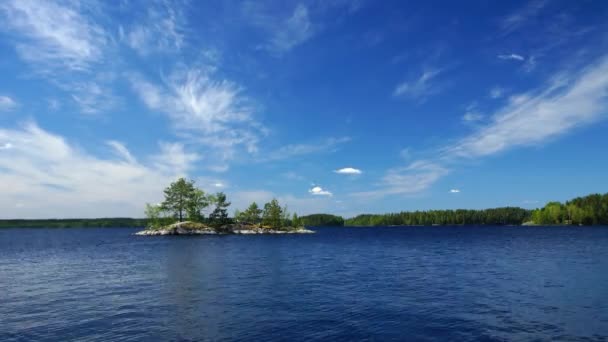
x=192 y=228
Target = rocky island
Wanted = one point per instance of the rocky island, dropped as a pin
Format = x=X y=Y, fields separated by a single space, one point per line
x=195 y=228
x=182 y=213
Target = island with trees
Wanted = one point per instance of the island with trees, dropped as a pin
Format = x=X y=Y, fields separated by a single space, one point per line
x=182 y=213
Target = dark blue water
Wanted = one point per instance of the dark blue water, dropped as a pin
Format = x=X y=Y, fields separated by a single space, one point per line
x=422 y=283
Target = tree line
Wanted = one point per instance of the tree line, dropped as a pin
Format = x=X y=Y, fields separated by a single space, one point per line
x=587 y=210
x=495 y=216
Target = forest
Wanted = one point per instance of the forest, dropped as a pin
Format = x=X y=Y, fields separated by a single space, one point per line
x=587 y=210
x=496 y=216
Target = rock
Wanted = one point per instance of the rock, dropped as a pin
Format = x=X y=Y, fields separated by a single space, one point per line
x=194 y=228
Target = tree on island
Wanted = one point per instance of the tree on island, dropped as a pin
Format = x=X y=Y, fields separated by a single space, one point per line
x=183 y=199
x=272 y=215
x=219 y=216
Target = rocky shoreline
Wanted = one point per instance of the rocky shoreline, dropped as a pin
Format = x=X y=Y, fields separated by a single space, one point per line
x=192 y=228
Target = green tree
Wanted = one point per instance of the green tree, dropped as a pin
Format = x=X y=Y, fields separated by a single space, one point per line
x=196 y=202
x=177 y=197
x=272 y=215
x=252 y=214
x=295 y=221
x=219 y=216
x=153 y=215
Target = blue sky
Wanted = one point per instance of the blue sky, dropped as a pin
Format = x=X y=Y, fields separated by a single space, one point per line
x=336 y=106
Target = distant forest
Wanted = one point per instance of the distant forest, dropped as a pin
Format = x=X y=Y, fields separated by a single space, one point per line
x=587 y=210
x=69 y=223
x=497 y=216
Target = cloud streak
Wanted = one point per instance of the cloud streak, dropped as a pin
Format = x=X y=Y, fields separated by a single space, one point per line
x=7 y=103
x=566 y=102
x=54 y=35
x=512 y=57
x=420 y=88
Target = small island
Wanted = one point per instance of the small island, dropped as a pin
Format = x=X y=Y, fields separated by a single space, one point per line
x=182 y=213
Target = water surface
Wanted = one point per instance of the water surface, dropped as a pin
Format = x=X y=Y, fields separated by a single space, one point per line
x=416 y=283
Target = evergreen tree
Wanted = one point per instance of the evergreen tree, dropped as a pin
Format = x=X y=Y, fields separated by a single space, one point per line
x=219 y=216
x=252 y=214
x=272 y=215
x=178 y=197
x=196 y=203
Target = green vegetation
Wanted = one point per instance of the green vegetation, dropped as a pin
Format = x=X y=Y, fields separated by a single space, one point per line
x=183 y=200
x=75 y=223
x=497 y=216
x=317 y=220
x=219 y=216
x=588 y=210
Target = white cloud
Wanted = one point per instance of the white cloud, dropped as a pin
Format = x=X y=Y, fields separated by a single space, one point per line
x=497 y=92
x=348 y=171
x=293 y=32
x=567 y=101
x=161 y=29
x=92 y=97
x=522 y=16
x=454 y=191
x=54 y=35
x=413 y=178
x=7 y=103
x=512 y=56
x=420 y=88
x=42 y=165
x=204 y=111
x=295 y=150
x=472 y=116
x=121 y=150
x=218 y=185
x=6 y=146
x=286 y=32
x=319 y=191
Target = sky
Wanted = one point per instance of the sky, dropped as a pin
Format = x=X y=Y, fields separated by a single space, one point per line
x=332 y=106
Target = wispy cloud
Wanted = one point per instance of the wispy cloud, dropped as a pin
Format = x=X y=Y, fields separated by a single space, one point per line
x=566 y=102
x=454 y=191
x=497 y=92
x=472 y=113
x=92 y=97
x=204 y=110
x=414 y=178
x=319 y=191
x=160 y=30
x=295 y=150
x=512 y=56
x=7 y=103
x=421 y=87
x=41 y=165
x=54 y=35
x=285 y=32
x=121 y=150
x=520 y=17
x=294 y=31
x=348 y=171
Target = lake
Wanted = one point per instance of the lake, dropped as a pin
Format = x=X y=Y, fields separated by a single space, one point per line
x=342 y=284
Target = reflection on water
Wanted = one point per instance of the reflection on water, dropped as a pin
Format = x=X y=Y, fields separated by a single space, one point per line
x=424 y=283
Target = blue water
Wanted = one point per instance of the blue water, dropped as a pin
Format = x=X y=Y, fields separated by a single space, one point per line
x=418 y=283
